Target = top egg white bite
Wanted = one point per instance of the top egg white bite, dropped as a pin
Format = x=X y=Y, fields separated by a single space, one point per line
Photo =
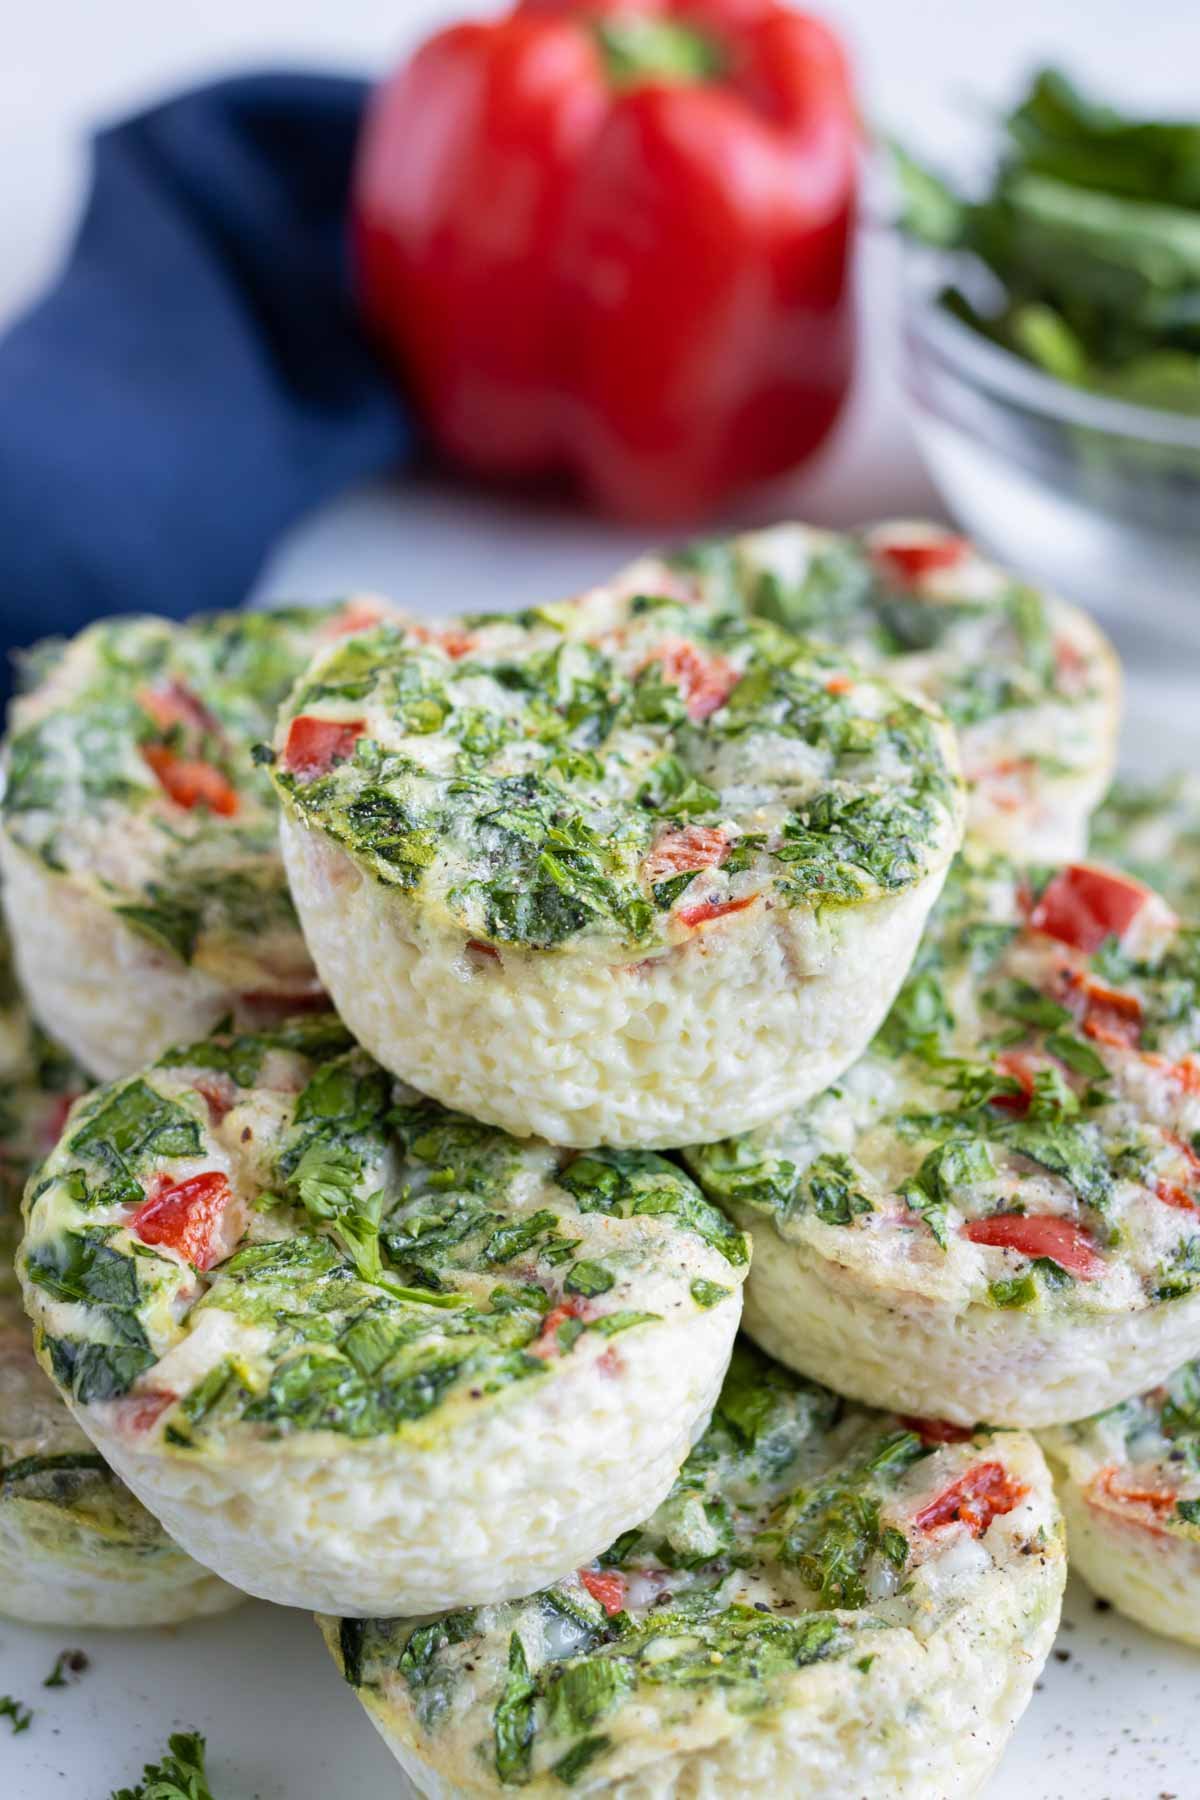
x=994 y=1214
x=830 y=1603
x=357 y=1352
x=76 y=1548
x=1129 y=1483
x=139 y=843
x=614 y=871
x=1031 y=684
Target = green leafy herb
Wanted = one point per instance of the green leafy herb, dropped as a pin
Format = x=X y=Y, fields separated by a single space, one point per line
x=19 y=1717
x=585 y=1690
x=125 y=1131
x=97 y=1371
x=834 y=1190
x=641 y=1183
x=579 y=1757
x=1077 y=1053
x=588 y=1278
x=180 y=1775
x=1067 y=1149
x=919 y=1019
x=946 y=1171
x=829 y=1533
x=513 y=1722
x=1020 y=1291
x=69 y=1665
x=708 y=1293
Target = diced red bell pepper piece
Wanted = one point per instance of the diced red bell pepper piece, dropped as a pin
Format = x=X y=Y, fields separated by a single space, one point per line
x=357 y=614
x=695 y=847
x=1108 y=1486
x=1106 y=1014
x=607 y=1586
x=1039 y=1234
x=1007 y=784
x=450 y=638
x=1082 y=906
x=175 y=704
x=1188 y=1154
x=190 y=782
x=705 y=681
x=1112 y=1017
x=706 y=910
x=219 y=1093
x=314 y=745
x=937 y=1431
x=1021 y=1068
x=1070 y=666
x=185 y=1216
x=907 y=560
x=1187 y=1074
x=546 y=1343
x=984 y=1493
x=1172 y=1195
x=138 y=1412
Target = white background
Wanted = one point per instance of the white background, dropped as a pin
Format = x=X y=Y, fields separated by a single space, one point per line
x=1117 y=1717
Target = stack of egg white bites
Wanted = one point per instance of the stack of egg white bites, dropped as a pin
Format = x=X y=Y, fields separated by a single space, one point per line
x=663 y=978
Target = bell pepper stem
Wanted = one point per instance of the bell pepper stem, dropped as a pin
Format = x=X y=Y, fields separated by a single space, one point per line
x=637 y=49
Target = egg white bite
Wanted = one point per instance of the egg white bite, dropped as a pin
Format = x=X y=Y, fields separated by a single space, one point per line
x=138 y=840
x=611 y=872
x=1129 y=1484
x=993 y=1215
x=1152 y=829
x=829 y=1602
x=357 y=1352
x=76 y=1548
x=1030 y=683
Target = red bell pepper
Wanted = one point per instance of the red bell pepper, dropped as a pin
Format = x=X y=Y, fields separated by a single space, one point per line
x=190 y=781
x=984 y=1493
x=690 y=847
x=314 y=745
x=1082 y=906
x=1039 y=1234
x=185 y=1215
x=611 y=238
x=606 y=1586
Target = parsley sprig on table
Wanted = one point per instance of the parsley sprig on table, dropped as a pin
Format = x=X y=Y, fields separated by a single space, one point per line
x=19 y=1717
x=181 y=1775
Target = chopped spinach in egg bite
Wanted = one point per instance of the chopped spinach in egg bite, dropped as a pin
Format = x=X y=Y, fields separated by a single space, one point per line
x=139 y=841
x=829 y=1601
x=359 y=1352
x=616 y=871
x=1129 y=1483
x=76 y=1548
x=1030 y=683
x=996 y=1212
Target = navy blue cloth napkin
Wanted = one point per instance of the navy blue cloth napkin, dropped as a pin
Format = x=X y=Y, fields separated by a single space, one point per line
x=195 y=380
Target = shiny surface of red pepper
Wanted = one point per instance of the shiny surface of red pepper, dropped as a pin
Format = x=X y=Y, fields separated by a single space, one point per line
x=635 y=273
x=984 y=1493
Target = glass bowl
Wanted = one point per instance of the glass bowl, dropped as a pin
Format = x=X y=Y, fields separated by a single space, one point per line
x=1094 y=497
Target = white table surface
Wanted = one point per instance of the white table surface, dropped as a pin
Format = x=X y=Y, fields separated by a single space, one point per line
x=1115 y=1718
